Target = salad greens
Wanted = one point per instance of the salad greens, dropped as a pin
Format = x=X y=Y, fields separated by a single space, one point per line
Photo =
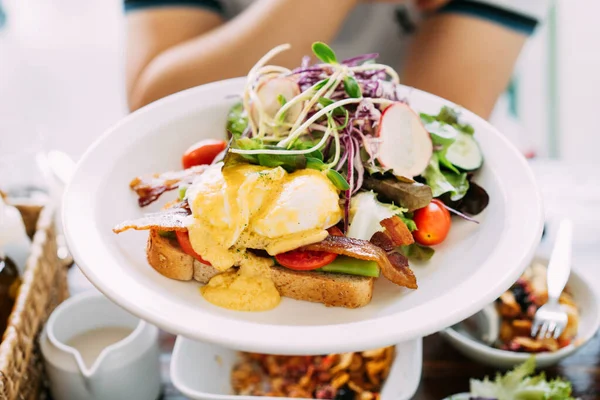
x=456 y=155
x=324 y=53
x=327 y=117
x=417 y=252
x=519 y=384
x=442 y=182
x=237 y=121
x=450 y=116
x=366 y=212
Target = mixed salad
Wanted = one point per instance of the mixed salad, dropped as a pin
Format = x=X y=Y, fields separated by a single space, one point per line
x=347 y=119
x=520 y=384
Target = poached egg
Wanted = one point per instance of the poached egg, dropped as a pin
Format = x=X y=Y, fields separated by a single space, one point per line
x=243 y=206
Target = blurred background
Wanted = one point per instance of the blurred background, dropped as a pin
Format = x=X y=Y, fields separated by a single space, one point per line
x=61 y=78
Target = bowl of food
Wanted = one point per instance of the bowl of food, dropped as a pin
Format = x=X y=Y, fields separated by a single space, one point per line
x=515 y=309
x=207 y=371
x=305 y=219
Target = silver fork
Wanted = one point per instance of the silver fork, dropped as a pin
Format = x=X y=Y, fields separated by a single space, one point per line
x=551 y=319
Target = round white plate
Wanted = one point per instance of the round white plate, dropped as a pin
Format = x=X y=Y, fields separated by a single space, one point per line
x=470 y=269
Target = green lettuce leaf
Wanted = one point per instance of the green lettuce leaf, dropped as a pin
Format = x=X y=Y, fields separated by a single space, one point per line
x=443 y=136
x=417 y=252
x=450 y=116
x=442 y=182
x=366 y=212
x=237 y=120
x=518 y=384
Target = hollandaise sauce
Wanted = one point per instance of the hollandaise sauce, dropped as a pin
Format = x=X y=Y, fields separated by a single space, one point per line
x=243 y=207
x=248 y=289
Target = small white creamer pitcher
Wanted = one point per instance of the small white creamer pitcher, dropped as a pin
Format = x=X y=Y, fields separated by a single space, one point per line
x=127 y=369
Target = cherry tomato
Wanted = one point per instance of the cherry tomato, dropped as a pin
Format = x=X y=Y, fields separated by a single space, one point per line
x=433 y=223
x=301 y=260
x=203 y=152
x=183 y=238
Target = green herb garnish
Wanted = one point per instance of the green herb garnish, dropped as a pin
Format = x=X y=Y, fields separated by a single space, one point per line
x=351 y=87
x=324 y=53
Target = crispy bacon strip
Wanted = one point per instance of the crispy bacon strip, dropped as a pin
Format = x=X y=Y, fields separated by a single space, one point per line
x=393 y=265
x=381 y=239
x=171 y=219
x=397 y=230
x=150 y=187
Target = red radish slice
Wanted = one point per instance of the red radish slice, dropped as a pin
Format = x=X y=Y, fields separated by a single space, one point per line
x=406 y=146
x=268 y=92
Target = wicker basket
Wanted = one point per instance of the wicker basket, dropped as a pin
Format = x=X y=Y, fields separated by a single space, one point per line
x=44 y=286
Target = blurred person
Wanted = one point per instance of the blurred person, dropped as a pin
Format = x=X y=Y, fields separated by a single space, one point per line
x=462 y=50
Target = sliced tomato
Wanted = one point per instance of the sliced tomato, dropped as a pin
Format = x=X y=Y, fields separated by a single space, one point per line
x=183 y=238
x=305 y=260
x=203 y=152
x=300 y=260
x=433 y=223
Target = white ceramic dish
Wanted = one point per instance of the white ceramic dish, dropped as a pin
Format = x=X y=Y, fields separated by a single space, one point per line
x=470 y=269
x=203 y=371
x=589 y=323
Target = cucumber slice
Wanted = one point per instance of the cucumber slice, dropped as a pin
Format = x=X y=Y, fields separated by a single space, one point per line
x=352 y=266
x=465 y=153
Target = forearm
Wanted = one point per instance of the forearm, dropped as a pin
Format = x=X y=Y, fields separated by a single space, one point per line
x=463 y=59
x=233 y=48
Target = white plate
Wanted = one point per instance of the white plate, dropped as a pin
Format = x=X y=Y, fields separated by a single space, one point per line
x=589 y=321
x=203 y=371
x=470 y=269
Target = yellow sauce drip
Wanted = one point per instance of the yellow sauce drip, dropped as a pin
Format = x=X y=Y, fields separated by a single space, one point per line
x=249 y=206
x=248 y=289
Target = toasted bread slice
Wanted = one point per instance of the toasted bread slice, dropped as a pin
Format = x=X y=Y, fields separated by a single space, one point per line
x=335 y=290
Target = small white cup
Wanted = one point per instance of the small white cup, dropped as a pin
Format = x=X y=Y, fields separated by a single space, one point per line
x=128 y=369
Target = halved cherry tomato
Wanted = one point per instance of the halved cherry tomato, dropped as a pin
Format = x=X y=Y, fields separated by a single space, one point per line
x=183 y=237
x=300 y=260
x=433 y=223
x=203 y=152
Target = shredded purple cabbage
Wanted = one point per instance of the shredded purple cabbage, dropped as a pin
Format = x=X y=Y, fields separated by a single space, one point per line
x=360 y=59
x=305 y=62
x=350 y=156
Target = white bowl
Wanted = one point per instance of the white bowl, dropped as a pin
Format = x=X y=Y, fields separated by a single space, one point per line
x=471 y=268
x=589 y=321
x=203 y=371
